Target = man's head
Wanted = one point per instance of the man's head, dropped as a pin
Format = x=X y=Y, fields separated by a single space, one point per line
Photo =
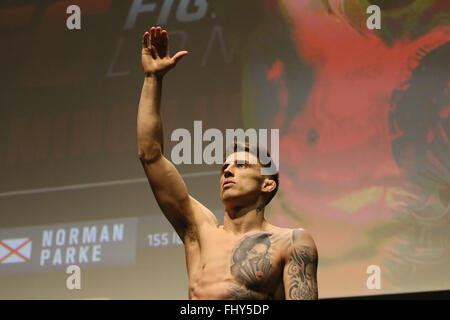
x=241 y=181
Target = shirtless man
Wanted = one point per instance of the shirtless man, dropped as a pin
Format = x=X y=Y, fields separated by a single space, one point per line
x=247 y=257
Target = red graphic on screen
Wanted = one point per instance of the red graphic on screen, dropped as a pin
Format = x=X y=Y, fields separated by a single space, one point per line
x=353 y=156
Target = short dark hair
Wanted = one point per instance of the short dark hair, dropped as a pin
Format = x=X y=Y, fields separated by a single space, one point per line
x=257 y=151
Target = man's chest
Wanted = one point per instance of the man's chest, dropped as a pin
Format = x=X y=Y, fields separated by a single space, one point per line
x=252 y=265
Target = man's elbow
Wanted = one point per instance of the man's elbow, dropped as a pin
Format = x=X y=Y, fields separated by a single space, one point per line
x=149 y=155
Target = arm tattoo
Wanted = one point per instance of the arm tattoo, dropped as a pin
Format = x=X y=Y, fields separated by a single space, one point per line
x=302 y=285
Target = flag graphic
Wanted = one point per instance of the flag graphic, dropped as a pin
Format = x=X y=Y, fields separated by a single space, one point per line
x=15 y=250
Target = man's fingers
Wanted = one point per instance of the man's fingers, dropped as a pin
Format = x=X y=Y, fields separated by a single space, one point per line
x=165 y=42
x=153 y=34
x=145 y=40
x=158 y=34
x=164 y=35
x=157 y=40
x=151 y=41
x=179 y=55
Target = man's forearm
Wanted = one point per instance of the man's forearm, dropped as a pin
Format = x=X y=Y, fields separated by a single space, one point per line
x=149 y=122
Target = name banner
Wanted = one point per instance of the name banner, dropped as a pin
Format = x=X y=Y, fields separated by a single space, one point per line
x=54 y=247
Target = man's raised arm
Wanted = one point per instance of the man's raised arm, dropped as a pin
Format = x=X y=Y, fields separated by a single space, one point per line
x=182 y=211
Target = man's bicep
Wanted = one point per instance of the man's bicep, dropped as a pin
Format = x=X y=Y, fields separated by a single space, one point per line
x=171 y=193
x=300 y=271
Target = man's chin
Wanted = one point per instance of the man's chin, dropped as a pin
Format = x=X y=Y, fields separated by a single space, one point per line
x=230 y=199
x=235 y=200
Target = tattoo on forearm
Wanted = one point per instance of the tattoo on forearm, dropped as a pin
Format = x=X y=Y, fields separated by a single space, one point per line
x=302 y=264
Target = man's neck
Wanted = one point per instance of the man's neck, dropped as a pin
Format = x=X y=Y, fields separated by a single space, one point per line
x=240 y=220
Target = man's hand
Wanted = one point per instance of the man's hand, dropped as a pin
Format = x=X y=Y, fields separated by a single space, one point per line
x=156 y=59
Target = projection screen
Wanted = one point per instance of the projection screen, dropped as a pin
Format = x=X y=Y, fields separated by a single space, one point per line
x=362 y=116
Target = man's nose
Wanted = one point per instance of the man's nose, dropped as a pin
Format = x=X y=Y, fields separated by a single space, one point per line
x=227 y=172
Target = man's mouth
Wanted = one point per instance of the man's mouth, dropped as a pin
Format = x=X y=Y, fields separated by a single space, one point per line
x=227 y=184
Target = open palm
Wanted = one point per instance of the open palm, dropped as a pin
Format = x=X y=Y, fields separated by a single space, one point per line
x=156 y=59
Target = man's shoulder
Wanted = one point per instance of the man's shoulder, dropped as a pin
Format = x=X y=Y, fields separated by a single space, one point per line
x=295 y=235
x=298 y=242
x=294 y=238
x=302 y=237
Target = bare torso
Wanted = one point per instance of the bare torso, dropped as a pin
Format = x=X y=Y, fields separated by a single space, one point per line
x=222 y=265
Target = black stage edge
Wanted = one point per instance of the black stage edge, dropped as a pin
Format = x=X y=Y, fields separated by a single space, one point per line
x=425 y=295
x=351 y=307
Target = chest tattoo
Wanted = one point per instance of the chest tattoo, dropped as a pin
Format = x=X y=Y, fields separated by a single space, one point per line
x=251 y=265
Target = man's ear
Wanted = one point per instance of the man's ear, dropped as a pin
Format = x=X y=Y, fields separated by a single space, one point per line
x=269 y=185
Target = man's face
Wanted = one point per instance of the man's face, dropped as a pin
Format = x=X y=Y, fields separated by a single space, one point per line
x=239 y=181
x=257 y=252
